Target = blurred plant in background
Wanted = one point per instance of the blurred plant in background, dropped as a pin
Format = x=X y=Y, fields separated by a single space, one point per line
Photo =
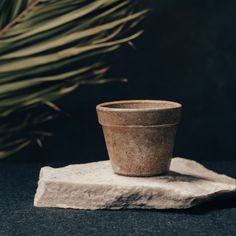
x=46 y=48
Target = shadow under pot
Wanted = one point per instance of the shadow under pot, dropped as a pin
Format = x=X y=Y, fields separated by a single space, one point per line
x=139 y=135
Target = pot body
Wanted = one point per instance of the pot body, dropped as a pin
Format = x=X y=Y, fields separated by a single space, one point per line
x=139 y=138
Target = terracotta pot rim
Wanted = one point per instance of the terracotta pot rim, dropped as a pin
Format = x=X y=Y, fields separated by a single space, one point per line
x=109 y=106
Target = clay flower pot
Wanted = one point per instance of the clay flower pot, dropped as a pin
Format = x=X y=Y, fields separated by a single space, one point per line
x=139 y=135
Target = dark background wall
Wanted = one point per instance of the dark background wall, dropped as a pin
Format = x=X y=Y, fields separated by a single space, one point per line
x=187 y=55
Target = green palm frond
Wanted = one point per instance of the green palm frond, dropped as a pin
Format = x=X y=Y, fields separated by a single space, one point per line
x=44 y=50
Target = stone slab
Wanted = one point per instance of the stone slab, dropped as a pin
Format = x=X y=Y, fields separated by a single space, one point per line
x=94 y=186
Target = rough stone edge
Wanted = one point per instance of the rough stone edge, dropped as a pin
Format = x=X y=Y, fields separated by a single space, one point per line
x=192 y=201
x=118 y=204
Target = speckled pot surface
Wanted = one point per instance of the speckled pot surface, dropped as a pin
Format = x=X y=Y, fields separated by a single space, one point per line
x=139 y=135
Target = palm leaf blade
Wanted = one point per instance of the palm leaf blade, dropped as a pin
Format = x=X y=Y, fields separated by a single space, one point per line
x=40 y=42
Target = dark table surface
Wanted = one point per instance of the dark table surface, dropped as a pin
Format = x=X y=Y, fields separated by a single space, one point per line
x=18 y=183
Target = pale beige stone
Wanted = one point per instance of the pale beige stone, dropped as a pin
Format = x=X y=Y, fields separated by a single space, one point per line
x=95 y=186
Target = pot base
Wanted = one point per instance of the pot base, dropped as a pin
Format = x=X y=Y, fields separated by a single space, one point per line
x=141 y=175
x=140 y=171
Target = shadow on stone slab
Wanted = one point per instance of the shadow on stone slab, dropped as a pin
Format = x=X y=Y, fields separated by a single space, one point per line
x=173 y=176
